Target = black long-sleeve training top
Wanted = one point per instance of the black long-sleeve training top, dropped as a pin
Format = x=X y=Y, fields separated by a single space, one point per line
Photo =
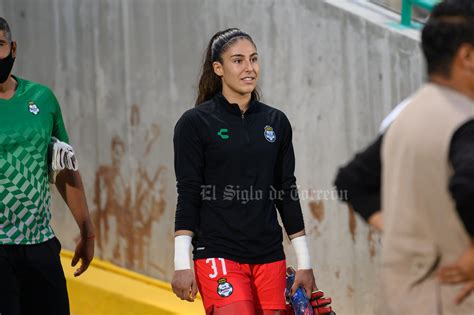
x=233 y=171
x=361 y=177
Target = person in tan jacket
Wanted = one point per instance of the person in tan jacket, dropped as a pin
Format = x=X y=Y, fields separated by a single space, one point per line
x=428 y=177
x=427 y=180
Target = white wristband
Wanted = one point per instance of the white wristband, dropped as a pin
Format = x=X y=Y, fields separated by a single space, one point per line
x=302 y=252
x=182 y=245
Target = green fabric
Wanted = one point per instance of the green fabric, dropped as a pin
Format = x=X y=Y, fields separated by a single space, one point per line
x=27 y=122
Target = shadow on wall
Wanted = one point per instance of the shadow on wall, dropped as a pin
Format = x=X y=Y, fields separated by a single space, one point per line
x=126 y=207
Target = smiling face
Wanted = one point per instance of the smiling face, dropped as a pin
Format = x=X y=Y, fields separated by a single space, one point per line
x=238 y=68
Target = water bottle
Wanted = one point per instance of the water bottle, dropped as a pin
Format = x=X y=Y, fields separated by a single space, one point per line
x=299 y=301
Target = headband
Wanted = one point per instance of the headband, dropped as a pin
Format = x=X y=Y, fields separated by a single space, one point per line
x=222 y=40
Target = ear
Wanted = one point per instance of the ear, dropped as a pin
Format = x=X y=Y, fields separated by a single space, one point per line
x=14 y=49
x=218 y=70
x=470 y=57
x=466 y=56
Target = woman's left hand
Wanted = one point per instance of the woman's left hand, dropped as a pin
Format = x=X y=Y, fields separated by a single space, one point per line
x=304 y=278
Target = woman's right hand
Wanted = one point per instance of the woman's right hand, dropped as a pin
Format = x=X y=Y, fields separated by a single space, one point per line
x=184 y=285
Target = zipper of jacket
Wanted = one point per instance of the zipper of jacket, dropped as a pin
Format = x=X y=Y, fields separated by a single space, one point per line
x=245 y=128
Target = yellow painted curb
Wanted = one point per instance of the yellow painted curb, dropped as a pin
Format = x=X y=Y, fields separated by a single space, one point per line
x=105 y=289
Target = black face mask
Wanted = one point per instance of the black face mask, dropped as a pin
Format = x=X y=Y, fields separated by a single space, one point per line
x=6 y=65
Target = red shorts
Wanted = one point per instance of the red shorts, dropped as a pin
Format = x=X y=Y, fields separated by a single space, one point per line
x=222 y=282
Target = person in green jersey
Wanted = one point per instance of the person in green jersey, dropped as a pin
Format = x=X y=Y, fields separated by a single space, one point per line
x=31 y=276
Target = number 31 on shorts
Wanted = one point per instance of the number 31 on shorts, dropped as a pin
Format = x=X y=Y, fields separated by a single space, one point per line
x=214 y=266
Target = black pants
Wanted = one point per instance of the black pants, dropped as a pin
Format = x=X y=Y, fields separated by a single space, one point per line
x=32 y=280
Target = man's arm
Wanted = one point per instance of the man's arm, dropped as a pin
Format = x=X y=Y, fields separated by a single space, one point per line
x=461 y=271
x=69 y=185
x=376 y=220
x=359 y=183
x=461 y=186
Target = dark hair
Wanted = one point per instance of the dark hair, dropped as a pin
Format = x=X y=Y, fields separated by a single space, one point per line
x=450 y=25
x=6 y=29
x=210 y=83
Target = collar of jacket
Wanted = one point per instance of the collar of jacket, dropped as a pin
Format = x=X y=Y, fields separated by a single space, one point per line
x=234 y=108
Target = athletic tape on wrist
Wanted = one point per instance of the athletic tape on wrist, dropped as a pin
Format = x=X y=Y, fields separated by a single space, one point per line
x=182 y=245
x=302 y=252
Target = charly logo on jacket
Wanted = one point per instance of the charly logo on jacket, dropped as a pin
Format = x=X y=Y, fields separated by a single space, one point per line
x=224 y=289
x=223 y=133
x=33 y=108
x=269 y=134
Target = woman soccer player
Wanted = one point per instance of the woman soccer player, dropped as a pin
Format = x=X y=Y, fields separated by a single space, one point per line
x=234 y=164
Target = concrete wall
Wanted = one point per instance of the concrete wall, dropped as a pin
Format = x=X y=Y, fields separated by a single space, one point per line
x=124 y=71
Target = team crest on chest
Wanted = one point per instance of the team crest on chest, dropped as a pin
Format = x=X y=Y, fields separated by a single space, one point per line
x=224 y=289
x=269 y=134
x=33 y=108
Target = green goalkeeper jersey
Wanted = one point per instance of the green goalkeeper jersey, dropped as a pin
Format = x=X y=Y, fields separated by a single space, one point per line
x=27 y=122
